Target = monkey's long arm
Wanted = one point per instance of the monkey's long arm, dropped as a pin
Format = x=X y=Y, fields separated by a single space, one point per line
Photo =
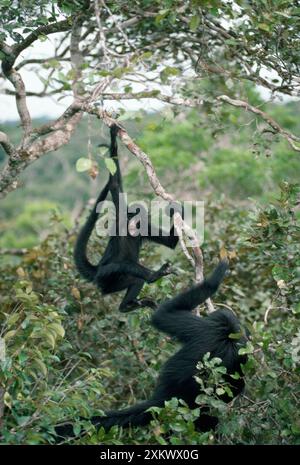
x=173 y=316
x=156 y=234
x=116 y=186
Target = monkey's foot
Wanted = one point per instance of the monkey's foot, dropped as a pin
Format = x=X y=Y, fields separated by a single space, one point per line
x=164 y=270
x=129 y=306
x=135 y=304
x=148 y=303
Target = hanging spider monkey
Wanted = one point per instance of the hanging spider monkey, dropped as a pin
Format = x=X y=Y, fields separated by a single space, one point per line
x=119 y=268
x=198 y=336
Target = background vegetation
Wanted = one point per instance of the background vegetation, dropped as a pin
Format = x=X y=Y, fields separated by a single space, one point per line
x=65 y=350
x=70 y=352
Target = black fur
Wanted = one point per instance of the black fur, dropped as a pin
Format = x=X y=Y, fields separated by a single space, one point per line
x=119 y=268
x=198 y=336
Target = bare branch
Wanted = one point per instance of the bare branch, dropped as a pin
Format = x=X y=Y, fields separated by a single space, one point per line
x=55 y=140
x=270 y=121
x=61 y=131
x=153 y=94
x=47 y=29
x=39 y=61
x=30 y=93
x=57 y=124
x=291 y=138
x=119 y=26
x=11 y=54
x=76 y=57
x=15 y=78
x=127 y=23
x=101 y=35
x=13 y=251
x=6 y=144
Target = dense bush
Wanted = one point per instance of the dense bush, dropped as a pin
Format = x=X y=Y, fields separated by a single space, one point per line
x=67 y=352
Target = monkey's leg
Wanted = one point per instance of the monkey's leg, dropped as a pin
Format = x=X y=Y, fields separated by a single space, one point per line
x=140 y=271
x=130 y=301
x=131 y=269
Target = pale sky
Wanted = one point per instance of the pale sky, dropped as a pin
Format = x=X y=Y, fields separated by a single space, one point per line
x=50 y=107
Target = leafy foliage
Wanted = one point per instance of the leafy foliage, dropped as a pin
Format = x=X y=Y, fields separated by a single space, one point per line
x=65 y=351
x=69 y=353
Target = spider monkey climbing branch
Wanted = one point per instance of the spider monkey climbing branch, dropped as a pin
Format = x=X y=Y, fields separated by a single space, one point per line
x=119 y=267
x=180 y=226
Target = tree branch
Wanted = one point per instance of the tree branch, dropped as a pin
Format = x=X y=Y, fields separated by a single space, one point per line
x=61 y=131
x=15 y=78
x=152 y=94
x=291 y=138
x=6 y=144
x=60 y=137
x=270 y=121
x=76 y=57
x=47 y=29
x=13 y=252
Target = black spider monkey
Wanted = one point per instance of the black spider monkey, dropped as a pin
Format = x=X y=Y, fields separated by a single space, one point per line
x=119 y=267
x=198 y=336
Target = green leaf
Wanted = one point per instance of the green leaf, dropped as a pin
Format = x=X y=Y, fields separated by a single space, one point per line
x=41 y=365
x=220 y=391
x=167 y=72
x=12 y=319
x=23 y=420
x=162 y=14
x=59 y=330
x=103 y=150
x=249 y=349
x=235 y=335
x=147 y=55
x=83 y=164
x=194 y=23
x=128 y=89
x=50 y=339
x=110 y=165
x=76 y=429
x=9 y=334
x=7 y=400
x=264 y=27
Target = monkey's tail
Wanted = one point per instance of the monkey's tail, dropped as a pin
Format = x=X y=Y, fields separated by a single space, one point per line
x=85 y=268
x=134 y=416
